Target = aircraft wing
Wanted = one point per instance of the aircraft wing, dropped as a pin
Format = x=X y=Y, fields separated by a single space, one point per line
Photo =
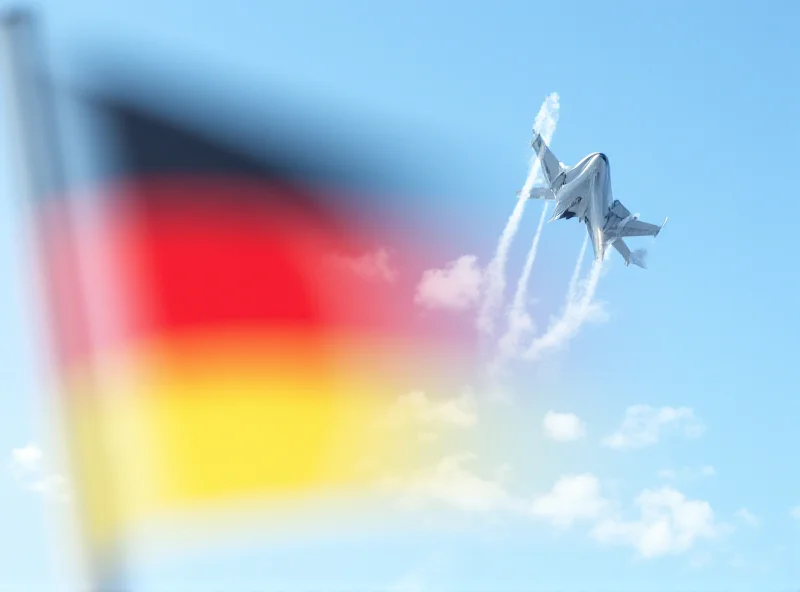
x=639 y=228
x=551 y=166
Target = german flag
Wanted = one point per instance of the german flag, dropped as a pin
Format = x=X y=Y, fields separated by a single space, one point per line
x=229 y=327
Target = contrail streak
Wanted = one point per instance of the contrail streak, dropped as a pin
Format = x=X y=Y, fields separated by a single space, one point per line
x=579 y=308
x=495 y=281
x=519 y=321
x=522 y=285
x=572 y=290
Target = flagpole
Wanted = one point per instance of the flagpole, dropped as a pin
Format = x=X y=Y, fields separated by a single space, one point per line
x=42 y=176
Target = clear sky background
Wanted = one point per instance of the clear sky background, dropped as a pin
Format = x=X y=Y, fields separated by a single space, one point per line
x=696 y=105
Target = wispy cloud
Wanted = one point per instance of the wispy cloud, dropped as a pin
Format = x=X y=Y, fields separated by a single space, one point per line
x=643 y=426
x=795 y=512
x=579 y=308
x=572 y=498
x=456 y=287
x=457 y=411
x=28 y=458
x=453 y=483
x=563 y=427
x=748 y=517
x=28 y=466
x=53 y=487
x=494 y=279
x=371 y=266
x=432 y=417
x=669 y=524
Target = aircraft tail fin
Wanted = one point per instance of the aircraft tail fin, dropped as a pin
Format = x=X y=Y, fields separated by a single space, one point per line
x=551 y=166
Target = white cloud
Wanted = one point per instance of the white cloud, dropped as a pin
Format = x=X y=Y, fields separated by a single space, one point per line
x=748 y=517
x=28 y=465
x=457 y=411
x=371 y=266
x=707 y=471
x=573 y=497
x=669 y=524
x=452 y=483
x=643 y=425
x=456 y=287
x=563 y=427
x=53 y=487
x=28 y=458
x=796 y=512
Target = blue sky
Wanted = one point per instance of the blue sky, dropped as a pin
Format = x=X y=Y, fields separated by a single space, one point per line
x=695 y=105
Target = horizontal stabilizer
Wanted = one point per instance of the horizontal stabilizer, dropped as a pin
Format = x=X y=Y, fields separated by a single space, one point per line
x=635 y=227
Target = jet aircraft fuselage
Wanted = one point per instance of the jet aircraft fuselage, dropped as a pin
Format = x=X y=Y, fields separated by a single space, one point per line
x=583 y=191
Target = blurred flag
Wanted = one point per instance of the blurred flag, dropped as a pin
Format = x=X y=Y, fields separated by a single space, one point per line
x=229 y=329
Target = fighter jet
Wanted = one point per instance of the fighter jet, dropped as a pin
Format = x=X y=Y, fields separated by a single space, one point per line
x=583 y=191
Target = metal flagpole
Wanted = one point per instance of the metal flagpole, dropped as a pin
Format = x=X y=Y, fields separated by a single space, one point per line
x=30 y=101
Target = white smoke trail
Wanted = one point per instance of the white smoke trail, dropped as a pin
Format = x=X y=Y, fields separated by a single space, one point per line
x=579 y=308
x=519 y=321
x=494 y=279
x=572 y=290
